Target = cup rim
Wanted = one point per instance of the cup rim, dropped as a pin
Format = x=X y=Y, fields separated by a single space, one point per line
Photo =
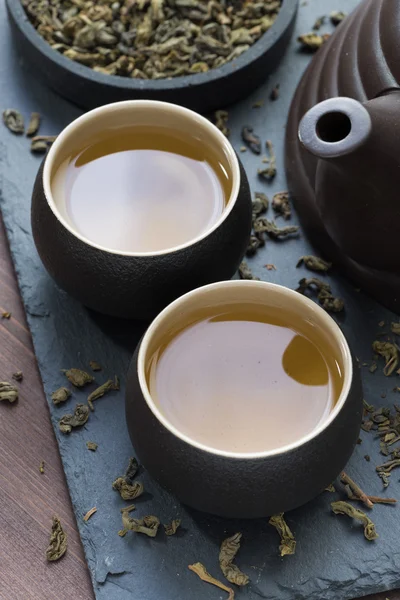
x=153 y=105
x=331 y=325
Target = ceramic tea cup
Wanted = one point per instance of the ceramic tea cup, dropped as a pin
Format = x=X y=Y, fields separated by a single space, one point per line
x=138 y=284
x=234 y=484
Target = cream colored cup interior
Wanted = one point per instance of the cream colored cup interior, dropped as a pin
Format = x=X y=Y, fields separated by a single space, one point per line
x=257 y=292
x=139 y=112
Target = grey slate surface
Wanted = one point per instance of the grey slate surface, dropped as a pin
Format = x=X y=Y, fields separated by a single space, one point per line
x=333 y=560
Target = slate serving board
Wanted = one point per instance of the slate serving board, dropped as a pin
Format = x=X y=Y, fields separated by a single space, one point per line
x=333 y=559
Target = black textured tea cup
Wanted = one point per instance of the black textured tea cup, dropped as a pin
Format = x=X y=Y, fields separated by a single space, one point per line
x=138 y=284
x=234 y=484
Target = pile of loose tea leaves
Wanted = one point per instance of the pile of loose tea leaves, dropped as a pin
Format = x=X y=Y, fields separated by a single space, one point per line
x=152 y=39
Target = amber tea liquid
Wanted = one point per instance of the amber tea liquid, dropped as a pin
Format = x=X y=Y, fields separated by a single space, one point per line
x=141 y=189
x=247 y=379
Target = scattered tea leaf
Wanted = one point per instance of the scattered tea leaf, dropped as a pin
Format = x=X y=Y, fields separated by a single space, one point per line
x=337 y=17
x=245 y=272
x=92 y=446
x=148 y=525
x=288 y=543
x=58 y=541
x=344 y=508
x=270 y=267
x=60 y=395
x=8 y=392
x=77 y=377
x=79 y=418
x=221 y=121
x=41 y=467
x=172 y=528
x=395 y=327
x=367 y=457
x=318 y=23
x=355 y=489
x=108 y=386
x=390 y=353
x=243 y=149
x=204 y=575
x=41 y=143
x=330 y=488
x=260 y=203
x=18 y=375
x=258 y=104
x=263 y=225
x=313 y=263
x=89 y=513
x=324 y=293
x=254 y=244
x=128 y=509
x=229 y=549
x=95 y=366
x=270 y=171
x=274 y=95
x=312 y=41
x=34 y=124
x=6 y=315
x=13 y=120
x=281 y=206
x=373 y=367
x=251 y=139
x=126 y=490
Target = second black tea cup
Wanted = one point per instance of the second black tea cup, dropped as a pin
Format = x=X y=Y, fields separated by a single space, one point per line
x=138 y=284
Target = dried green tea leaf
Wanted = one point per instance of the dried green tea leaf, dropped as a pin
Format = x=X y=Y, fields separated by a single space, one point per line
x=89 y=513
x=288 y=543
x=243 y=149
x=108 y=386
x=8 y=392
x=251 y=139
x=390 y=353
x=329 y=302
x=245 y=272
x=270 y=171
x=229 y=549
x=395 y=327
x=18 y=375
x=260 y=203
x=324 y=293
x=312 y=41
x=79 y=418
x=148 y=525
x=172 y=528
x=77 y=377
x=355 y=489
x=337 y=17
x=221 y=121
x=34 y=124
x=262 y=225
x=60 y=395
x=270 y=267
x=258 y=104
x=367 y=457
x=58 y=541
x=6 y=315
x=91 y=446
x=368 y=407
x=330 y=488
x=318 y=23
x=254 y=244
x=128 y=509
x=126 y=490
x=274 y=95
x=95 y=365
x=41 y=143
x=373 y=367
x=204 y=575
x=41 y=467
x=344 y=508
x=313 y=263
x=281 y=206
x=13 y=120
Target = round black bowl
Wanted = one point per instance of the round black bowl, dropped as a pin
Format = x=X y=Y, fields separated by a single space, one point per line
x=138 y=284
x=202 y=92
x=232 y=484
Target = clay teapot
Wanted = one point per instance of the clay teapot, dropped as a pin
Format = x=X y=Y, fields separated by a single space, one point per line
x=357 y=179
